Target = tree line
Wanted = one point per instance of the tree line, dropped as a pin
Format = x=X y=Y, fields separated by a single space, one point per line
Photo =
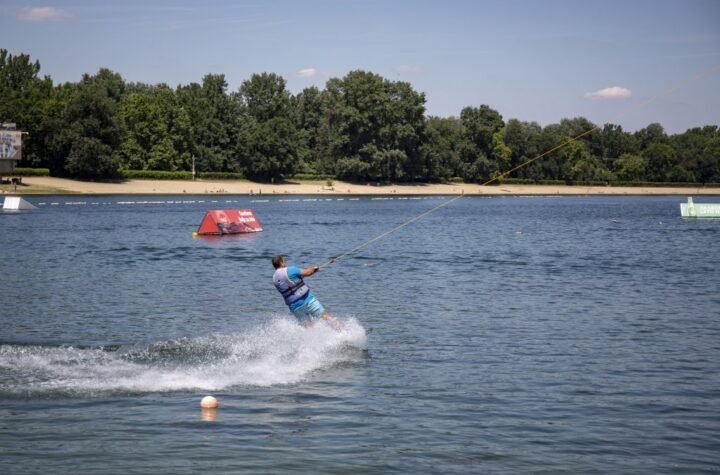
x=361 y=127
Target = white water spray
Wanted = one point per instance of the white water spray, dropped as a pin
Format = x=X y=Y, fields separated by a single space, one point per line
x=276 y=353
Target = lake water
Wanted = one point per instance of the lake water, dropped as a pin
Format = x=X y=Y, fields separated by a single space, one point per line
x=507 y=335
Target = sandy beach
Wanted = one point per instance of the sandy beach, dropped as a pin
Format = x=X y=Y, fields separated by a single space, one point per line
x=49 y=185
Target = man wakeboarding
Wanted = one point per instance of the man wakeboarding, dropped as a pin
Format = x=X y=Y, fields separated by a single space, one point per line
x=301 y=302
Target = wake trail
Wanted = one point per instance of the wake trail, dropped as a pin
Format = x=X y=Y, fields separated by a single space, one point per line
x=278 y=352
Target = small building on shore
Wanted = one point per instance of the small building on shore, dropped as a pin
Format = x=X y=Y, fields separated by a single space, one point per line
x=10 y=149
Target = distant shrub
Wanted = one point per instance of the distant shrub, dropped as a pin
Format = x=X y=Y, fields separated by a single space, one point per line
x=154 y=175
x=312 y=177
x=32 y=172
x=515 y=181
x=588 y=183
x=552 y=182
x=220 y=176
x=662 y=184
x=180 y=175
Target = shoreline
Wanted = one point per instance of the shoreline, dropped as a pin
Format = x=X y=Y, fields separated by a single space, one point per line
x=54 y=186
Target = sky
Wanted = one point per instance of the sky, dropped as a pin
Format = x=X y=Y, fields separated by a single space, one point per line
x=629 y=62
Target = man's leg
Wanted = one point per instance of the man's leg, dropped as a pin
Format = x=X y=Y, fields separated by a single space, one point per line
x=331 y=320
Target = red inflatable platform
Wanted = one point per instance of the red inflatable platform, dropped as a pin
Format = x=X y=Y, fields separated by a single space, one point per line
x=229 y=221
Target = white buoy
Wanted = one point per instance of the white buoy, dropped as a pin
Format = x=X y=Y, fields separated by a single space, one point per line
x=209 y=402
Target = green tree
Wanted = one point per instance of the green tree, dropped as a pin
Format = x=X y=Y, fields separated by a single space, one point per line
x=590 y=169
x=679 y=174
x=54 y=131
x=588 y=133
x=709 y=166
x=17 y=75
x=575 y=163
x=93 y=133
x=442 y=147
x=690 y=149
x=652 y=134
x=90 y=158
x=214 y=121
x=269 y=146
x=616 y=142
x=309 y=110
x=404 y=131
x=265 y=97
x=476 y=166
x=269 y=149
x=24 y=97
x=525 y=141
x=572 y=157
x=501 y=153
x=630 y=167
x=551 y=166
x=373 y=128
x=157 y=131
x=481 y=124
x=660 y=161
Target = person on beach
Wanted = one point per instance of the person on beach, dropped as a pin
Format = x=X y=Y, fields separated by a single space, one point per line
x=302 y=303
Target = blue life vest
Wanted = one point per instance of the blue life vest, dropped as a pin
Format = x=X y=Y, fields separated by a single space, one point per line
x=291 y=291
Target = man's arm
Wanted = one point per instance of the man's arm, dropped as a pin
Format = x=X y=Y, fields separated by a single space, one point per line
x=308 y=271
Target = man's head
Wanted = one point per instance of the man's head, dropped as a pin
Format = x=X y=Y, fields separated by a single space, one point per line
x=278 y=262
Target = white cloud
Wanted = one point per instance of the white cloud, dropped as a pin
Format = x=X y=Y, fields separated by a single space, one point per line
x=42 y=14
x=406 y=68
x=615 y=92
x=307 y=72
